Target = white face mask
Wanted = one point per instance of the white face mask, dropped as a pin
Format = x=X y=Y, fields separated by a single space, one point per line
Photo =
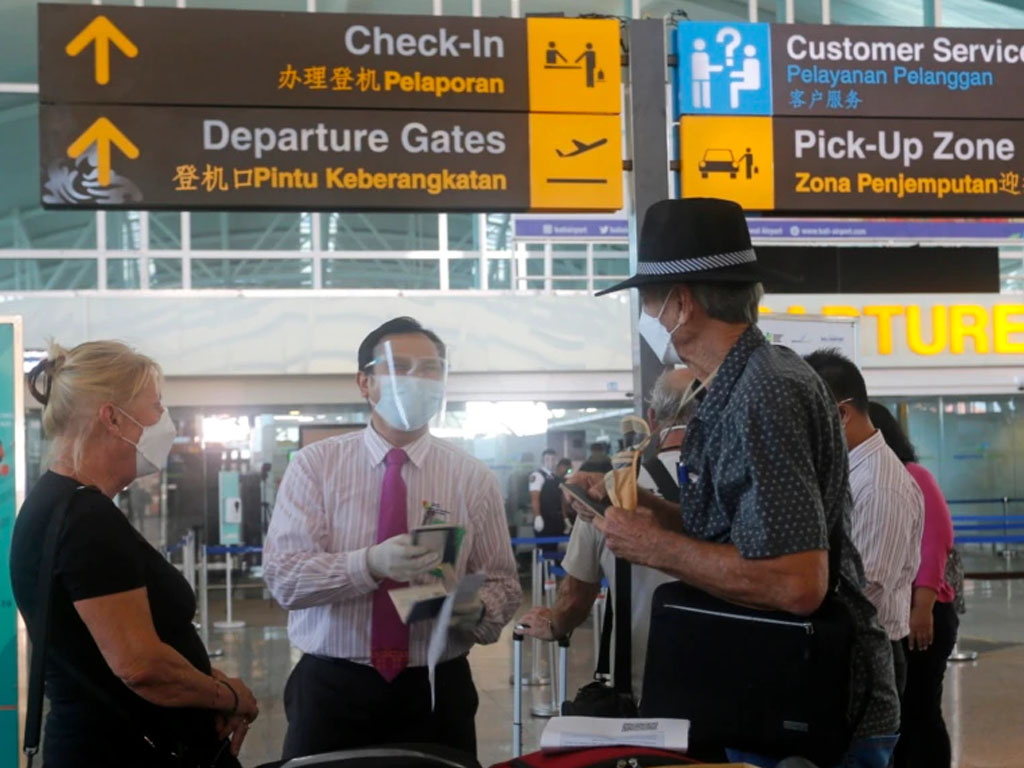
x=550 y=462
x=658 y=337
x=408 y=403
x=154 y=444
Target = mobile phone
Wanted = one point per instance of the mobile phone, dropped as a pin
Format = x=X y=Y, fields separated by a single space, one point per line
x=597 y=507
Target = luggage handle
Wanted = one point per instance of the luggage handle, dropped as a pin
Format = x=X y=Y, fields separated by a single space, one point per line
x=517 y=693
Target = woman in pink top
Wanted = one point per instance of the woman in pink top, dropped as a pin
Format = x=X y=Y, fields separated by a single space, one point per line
x=924 y=740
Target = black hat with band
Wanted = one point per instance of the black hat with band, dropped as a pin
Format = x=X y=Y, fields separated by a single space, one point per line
x=696 y=239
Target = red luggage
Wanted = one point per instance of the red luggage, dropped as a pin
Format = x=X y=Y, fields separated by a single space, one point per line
x=600 y=757
x=603 y=757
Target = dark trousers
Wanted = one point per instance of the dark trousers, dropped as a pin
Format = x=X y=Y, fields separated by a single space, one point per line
x=899 y=666
x=333 y=704
x=924 y=741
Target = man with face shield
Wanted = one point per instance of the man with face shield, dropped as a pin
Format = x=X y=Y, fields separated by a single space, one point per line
x=339 y=541
x=763 y=469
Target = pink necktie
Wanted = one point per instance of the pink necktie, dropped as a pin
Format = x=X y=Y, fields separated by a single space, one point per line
x=389 y=637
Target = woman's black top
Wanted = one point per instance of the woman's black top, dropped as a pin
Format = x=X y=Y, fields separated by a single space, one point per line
x=100 y=553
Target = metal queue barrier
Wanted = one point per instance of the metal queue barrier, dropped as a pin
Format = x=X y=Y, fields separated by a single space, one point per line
x=987 y=529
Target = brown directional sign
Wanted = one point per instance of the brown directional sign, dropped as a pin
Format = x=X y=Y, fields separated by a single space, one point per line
x=168 y=108
x=913 y=166
x=126 y=55
x=865 y=71
x=222 y=157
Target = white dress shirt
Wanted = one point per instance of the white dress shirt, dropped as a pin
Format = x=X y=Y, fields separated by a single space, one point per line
x=587 y=557
x=325 y=519
x=886 y=527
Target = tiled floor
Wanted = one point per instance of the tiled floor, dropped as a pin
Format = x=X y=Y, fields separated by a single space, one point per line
x=984 y=701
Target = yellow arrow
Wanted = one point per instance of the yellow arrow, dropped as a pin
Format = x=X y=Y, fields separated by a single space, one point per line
x=102 y=32
x=103 y=133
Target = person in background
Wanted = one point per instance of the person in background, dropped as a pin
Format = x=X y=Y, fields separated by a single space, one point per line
x=121 y=638
x=546 y=501
x=888 y=507
x=599 y=459
x=924 y=740
x=563 y=469
x=339 y=541
x=587 y=557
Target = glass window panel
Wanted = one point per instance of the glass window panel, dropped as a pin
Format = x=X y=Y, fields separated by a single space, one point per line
x=250 y=5
x=124 y=231
x=123 y=274
x=23 y=222
x=406 y=274
x=165 y=273
x=463 y=274
x=164 y=230
x=18 y=24
x=885 y=14
x=566 y=267
x=462 y=232
x=535 y=267
x=422 y=7
x=379 y=231
x=982 y=13
x=702 y=11
x=252 y=273
x=499 y=231
x=487 y=7
x=607 y=7
x=251 y=231
x=499 y=274
x=47 y=274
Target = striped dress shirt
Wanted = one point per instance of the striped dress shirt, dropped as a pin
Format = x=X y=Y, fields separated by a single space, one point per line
x=325 y=520
x=886 y=526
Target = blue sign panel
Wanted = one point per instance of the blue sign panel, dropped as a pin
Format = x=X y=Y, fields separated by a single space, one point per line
x=724 y=69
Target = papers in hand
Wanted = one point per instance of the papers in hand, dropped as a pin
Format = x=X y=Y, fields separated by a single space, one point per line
x=464 y=592
x=418 y=602
x=586 y=732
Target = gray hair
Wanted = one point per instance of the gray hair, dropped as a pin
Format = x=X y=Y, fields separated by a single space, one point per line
x=726 y=302
x=667 y=398
x=729 y=302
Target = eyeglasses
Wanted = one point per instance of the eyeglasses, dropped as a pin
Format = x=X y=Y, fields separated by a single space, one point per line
x=398 y=365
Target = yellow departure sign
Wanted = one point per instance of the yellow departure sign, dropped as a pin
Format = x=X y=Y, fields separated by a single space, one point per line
x=102 y=33
x=103 y=134
x=578 y=157
x=574 y=65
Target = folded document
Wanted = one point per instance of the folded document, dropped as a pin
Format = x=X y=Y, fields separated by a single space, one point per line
x=585 y=732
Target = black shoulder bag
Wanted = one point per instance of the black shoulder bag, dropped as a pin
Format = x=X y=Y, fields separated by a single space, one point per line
x=767 y=682
x=164 y=753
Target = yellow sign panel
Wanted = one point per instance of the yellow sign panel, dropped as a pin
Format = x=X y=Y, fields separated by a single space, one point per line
x=574 y=65
x=575 y=162
x=728 y=157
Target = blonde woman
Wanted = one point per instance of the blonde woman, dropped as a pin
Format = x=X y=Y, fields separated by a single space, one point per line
x=128 y=679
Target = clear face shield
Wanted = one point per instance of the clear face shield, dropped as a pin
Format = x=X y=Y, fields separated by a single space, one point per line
x=410 y=387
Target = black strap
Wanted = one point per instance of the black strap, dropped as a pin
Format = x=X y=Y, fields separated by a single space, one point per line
x=604 y=655
x=666 y=484
x=623 y=626
x=41 y=636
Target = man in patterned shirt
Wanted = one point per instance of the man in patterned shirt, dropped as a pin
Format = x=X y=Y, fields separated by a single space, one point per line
x=766 y=467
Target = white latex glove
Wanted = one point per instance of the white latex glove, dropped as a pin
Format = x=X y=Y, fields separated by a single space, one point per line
x=466 y=616
x=400 y=560
x=538 y=523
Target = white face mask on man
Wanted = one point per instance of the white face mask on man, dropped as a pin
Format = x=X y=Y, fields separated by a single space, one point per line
x=658 y=337
x=408 y=403
x=154 y=443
